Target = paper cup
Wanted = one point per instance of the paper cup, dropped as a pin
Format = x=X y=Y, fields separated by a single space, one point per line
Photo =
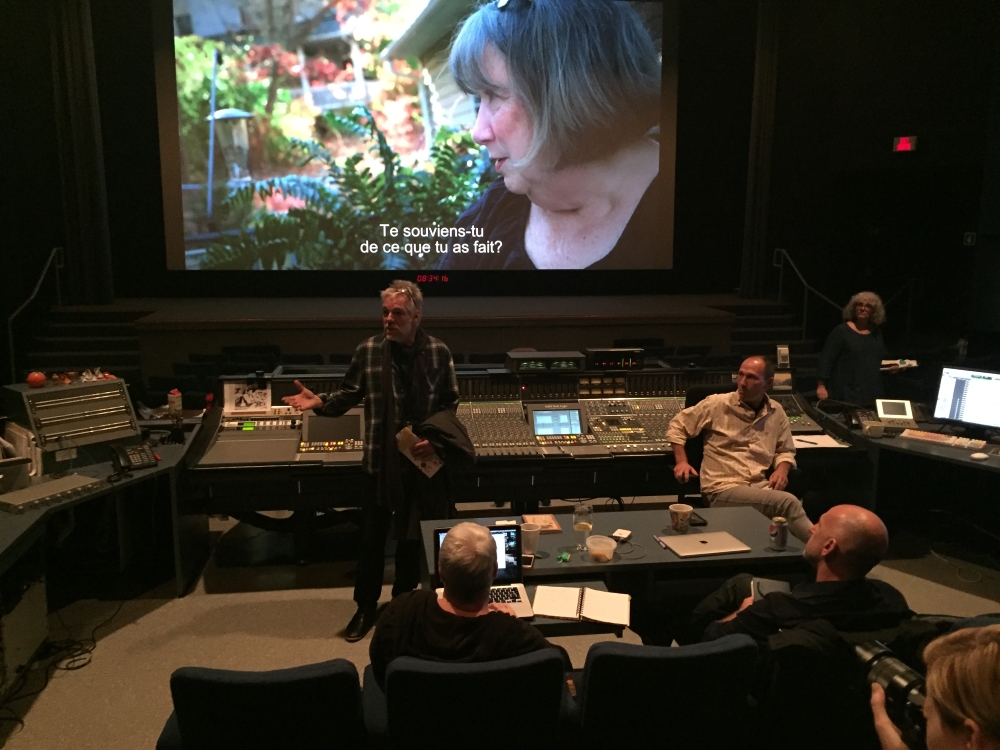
x=680 y=517
x=529 y=538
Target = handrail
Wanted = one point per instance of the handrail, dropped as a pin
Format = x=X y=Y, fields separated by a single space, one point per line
x=780 y=256
x=56 y=253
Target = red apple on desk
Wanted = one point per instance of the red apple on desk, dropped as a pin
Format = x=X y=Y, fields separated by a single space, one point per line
x=36 y=379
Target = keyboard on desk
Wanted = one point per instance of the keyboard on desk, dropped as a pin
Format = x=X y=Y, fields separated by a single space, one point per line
x=951 y=440
x=505 y=595
x=51 y=492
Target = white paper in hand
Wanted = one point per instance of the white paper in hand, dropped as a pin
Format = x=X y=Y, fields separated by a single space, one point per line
x=405 y=440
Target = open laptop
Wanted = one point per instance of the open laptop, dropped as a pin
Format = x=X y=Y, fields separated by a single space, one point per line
x=711 y=543
x=507 y=586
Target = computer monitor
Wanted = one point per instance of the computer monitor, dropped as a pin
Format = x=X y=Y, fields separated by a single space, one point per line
x=969 y=396
x=556 y=421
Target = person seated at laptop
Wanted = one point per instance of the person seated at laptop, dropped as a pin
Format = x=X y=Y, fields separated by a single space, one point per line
x=462 y=625
x=745 y=433
x=846 y=543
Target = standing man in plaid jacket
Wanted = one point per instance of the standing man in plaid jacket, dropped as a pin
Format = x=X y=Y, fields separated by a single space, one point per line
x=404 y=377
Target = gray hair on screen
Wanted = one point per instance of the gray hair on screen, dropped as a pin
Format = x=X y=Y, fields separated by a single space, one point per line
x=878 y=309
x=586 y=71
x=408 y=288
x=467 y=563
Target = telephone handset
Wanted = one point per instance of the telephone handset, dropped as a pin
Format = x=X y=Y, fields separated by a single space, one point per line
x=128 y=458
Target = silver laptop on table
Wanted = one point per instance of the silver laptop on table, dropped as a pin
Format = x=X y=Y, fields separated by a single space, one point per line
x=711 y=543
x=508 y=587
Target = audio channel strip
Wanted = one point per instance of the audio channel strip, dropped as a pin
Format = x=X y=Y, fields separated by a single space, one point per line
x=588 y=427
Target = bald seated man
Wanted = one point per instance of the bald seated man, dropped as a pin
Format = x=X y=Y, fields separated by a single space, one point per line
x=844 y=545
x=462 y=625
x=745 y=435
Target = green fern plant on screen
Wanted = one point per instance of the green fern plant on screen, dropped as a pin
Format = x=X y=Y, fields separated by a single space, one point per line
x=345 y=207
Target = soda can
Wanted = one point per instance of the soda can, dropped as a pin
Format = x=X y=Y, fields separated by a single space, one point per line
x=779 y=534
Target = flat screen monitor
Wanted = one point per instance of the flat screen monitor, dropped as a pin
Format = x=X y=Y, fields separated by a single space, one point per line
x=969 y=396
x=893 y=409
x=556 y=422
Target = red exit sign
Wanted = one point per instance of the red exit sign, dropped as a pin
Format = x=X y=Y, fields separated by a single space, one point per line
x=905 y=143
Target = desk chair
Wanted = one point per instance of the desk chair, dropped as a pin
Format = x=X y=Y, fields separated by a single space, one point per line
x=312 y=707
x=496 y=704
x=694 y=447
x=689 y=697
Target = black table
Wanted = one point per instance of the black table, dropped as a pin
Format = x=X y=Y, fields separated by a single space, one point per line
x=746 y=524
x=19 y=531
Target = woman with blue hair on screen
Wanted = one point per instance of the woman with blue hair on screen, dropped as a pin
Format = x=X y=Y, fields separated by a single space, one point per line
x=569 y=94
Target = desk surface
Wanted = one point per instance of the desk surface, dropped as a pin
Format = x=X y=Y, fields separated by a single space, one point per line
x=746 y=524
x=19 y=530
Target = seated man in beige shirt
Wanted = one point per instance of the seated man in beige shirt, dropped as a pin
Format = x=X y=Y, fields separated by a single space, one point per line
x=744 y=433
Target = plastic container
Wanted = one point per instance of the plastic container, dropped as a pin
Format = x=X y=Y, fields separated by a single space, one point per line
x=601 y=548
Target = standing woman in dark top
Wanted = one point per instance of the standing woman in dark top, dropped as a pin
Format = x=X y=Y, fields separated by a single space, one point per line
x=851 y=362
x=569 y=95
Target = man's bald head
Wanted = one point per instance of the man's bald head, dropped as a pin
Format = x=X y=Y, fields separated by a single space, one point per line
x=848 y=540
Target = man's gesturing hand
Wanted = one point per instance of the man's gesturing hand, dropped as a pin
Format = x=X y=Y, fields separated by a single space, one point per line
x=304 y=399
x=684 y=471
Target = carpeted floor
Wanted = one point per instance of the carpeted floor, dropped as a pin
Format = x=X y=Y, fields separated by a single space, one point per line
x=273 y=617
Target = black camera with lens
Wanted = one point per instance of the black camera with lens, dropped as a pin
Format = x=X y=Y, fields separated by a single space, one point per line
x=903 y=687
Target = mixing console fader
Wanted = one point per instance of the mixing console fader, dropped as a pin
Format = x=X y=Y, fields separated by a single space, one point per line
x=631 y=425
x=498 y=428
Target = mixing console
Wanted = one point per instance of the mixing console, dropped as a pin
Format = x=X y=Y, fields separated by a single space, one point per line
x=566 y=439
x=498 y=428
x=330 y=446
x=256 y=424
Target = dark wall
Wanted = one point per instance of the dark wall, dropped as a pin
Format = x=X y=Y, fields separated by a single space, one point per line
x=127 y=91
x=31 y=198
x=715 y=82
x=854 y=74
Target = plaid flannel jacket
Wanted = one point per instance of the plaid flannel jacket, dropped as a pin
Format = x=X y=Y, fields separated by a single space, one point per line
x=364 y=381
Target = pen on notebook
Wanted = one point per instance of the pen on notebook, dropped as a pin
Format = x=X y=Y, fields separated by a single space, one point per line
x=807 y=442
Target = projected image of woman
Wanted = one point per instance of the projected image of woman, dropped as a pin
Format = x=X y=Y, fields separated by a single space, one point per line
x=569 y=92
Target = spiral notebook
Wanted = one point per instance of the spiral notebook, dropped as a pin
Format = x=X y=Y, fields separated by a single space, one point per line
x=569 y=603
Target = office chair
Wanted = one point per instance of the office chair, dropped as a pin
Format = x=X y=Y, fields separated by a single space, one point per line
x=683 y=698
x=474 y=701
x=312 y=707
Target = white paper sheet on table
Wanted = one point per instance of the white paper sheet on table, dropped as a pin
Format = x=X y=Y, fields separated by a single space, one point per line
x=817 y=441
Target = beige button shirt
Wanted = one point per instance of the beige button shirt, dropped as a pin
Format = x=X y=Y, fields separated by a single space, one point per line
x=739 y=444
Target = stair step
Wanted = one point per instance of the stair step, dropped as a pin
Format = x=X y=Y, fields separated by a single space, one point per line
x=86 y=343
x=767 y=347
x=83 y=359
x=756 y=308
x=76 y=328
x=766 y=321
x=71 y=315
x=778 y=335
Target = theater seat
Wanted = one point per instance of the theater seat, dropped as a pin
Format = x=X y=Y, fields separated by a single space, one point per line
x=683 y=698
x=312 y=707
x=497 y=704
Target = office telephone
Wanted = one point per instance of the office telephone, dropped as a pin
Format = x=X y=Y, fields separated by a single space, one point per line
x=128 y=458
